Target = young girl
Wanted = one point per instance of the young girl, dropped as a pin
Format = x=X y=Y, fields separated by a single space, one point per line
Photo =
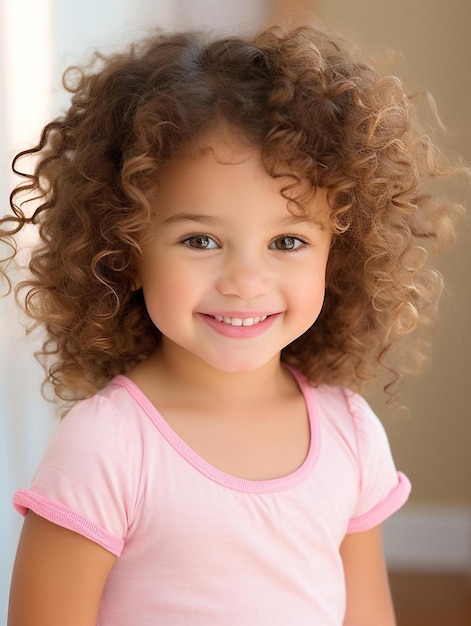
x=231 y=241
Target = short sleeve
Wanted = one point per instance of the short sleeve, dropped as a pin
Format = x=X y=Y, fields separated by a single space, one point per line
x=87 y=480
x=382 y=489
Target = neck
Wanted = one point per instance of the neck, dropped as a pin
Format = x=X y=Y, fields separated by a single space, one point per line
x=181 y=370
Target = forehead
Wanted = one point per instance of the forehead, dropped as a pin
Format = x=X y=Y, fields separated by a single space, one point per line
x=222 y=172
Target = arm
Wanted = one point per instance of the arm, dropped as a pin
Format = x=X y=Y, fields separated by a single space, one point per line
x=58 y=577
x=368 y=597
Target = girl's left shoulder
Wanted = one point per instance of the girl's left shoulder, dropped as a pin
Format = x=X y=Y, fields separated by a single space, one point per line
x=348 y=409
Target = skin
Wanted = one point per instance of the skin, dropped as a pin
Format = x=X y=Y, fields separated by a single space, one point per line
x=368 y=597
x=222 y=244
x=58 y=577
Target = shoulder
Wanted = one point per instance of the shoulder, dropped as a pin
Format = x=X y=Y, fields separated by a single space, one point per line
x=350 y=428
x=89 y=479
x=348 y=411
x=98 y=433
x=340 y=408
x=110 y=411
x=346 y=416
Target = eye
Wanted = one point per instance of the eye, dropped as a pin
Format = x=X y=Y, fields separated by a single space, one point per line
x=200 y=242
x=286 y=243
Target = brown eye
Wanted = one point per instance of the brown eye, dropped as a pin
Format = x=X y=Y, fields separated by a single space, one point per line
x=200 y=242
x=286 y=243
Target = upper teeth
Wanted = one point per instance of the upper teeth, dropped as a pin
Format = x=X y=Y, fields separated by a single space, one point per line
x=238 y=321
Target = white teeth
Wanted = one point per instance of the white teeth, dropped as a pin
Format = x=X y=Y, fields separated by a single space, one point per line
x=238 y=321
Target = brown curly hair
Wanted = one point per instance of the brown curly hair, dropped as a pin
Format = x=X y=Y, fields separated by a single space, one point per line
x=319 y=113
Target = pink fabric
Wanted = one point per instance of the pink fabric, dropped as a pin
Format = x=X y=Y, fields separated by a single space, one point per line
x=198 y=546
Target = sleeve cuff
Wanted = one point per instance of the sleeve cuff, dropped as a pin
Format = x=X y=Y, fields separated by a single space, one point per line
x=395 y=500
x=67 y=518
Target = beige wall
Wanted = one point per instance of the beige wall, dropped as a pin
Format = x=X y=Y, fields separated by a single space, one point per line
x=433 y=444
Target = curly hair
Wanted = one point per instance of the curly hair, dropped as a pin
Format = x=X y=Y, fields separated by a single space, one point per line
x=319 y=113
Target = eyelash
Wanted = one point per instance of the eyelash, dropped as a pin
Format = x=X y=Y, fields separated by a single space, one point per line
x=303 y=243
x=186 y=242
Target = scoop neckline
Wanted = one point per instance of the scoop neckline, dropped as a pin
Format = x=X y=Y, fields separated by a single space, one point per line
x=230 y=481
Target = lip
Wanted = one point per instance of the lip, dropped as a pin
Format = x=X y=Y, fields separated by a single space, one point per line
x=239 y=332
x=241 y=314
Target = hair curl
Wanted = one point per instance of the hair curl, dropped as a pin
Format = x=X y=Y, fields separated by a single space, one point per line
x=318 y=112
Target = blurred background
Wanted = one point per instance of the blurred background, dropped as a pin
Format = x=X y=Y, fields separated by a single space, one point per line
x=428 y=543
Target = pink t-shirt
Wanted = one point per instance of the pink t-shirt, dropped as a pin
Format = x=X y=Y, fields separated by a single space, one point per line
x=199 y=547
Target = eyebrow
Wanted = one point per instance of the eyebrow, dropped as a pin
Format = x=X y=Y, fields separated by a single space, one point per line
x=191 y=217
x=294 y=220
x=290 y=220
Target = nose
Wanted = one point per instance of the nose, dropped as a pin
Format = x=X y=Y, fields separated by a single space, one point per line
x=245 y=276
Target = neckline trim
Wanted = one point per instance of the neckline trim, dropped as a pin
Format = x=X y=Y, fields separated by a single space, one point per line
x=272 y=485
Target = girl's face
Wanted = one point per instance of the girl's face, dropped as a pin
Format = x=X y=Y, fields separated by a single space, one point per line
x=229 y=275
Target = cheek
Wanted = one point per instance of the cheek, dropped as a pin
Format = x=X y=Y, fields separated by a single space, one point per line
x=161 y=275
x=310 y=279
x=309 y=292
x=167 y=290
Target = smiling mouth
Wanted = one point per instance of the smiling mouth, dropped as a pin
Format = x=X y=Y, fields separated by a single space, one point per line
x=238 y=321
